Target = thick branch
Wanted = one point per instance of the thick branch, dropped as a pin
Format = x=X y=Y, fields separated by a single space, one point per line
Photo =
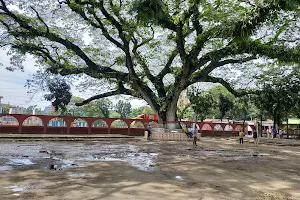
x=107 y=94
x=281 y=53
x=215 y=64
x=65 y=42
x=114 y=22
x=237 y=93
x=167 y=68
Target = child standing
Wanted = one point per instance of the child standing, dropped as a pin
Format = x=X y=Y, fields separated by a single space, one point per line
x=241 y=135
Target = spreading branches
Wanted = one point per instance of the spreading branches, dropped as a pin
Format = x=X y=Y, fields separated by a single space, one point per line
x=120 y=90
x=99 y=23
x=167 y=68
x=39 y=17
x=280 y=53
x=215 y=64
x=36 y=32
x=237 y=93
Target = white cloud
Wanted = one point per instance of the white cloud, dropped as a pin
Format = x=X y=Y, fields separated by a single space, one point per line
x=12 y=83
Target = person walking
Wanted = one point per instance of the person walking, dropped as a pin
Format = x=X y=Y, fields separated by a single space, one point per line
x=241 y=135
x=255 y=138
x=195 y=135
x=268 y=133
x=274 y=133
x=149 y=131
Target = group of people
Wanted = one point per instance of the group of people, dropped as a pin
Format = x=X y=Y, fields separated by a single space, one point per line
x=190 y=132
x=242 y=135
x=193 y=133
x=273 y=133
x=255 y=135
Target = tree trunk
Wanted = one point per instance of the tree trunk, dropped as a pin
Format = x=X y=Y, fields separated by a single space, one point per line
x=170 y=115
x=287 y=126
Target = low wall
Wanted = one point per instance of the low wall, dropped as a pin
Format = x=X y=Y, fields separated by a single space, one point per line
x=164 y=134
x=73 y=130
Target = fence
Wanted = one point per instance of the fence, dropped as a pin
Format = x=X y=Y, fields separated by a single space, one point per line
x=48 y=124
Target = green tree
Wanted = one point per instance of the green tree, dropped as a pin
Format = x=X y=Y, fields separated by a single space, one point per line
x=141 y=110
x=202 y=103
x=225 y=105
x=156 y=48
x=59 y=93
x=5 y=108
x=279 y=99
x=123 y=108
x=136 y=112
x=97 y=108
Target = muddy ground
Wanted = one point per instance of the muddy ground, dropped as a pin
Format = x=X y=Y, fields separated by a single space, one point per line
x=217 y=169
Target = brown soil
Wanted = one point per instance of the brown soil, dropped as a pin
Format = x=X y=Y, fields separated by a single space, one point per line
x=216 y=169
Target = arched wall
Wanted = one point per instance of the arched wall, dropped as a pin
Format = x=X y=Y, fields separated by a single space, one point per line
x=206 y=128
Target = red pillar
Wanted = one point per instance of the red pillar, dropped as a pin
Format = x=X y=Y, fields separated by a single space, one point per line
x=108 y=128
x=20 y=128
x=45 y=129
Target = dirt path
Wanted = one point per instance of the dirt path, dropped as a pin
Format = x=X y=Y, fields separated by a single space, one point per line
x=216 y=169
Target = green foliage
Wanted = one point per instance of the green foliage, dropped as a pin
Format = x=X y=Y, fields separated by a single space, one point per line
x=59 y=93
x=280 y=99
x=148 y=11
x=151 y=49
x=225 y=105
x=141 y=110
x=185 y=112
x=99 y=108
x=5 y=108
x=241 y=108
x=123 y=108
x=202 y=103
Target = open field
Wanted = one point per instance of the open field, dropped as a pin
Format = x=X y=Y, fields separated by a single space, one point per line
x=219 y=168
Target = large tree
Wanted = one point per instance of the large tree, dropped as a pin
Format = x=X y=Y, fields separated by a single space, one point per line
x=280 y=93
x=150 y=49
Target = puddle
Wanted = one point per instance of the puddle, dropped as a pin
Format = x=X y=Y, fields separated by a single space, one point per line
x=20 y=161
x=142 y=161
x=15 y=188
x=5 y=168
x=179 y=178
x=61 y=156
x=81 y=175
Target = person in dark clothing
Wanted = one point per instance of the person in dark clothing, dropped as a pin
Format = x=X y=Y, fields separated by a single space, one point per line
x=274 y=133
x=149 y=131
x=255 y=138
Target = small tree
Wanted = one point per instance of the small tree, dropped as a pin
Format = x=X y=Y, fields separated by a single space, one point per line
x=225 y=105
x=202 y=103
x=60 y=93
x=123 y=108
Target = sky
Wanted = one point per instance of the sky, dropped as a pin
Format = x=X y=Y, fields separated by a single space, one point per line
x=13 y=91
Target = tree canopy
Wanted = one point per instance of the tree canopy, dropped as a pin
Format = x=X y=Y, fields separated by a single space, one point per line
x=155 y=49
x=123 y=108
